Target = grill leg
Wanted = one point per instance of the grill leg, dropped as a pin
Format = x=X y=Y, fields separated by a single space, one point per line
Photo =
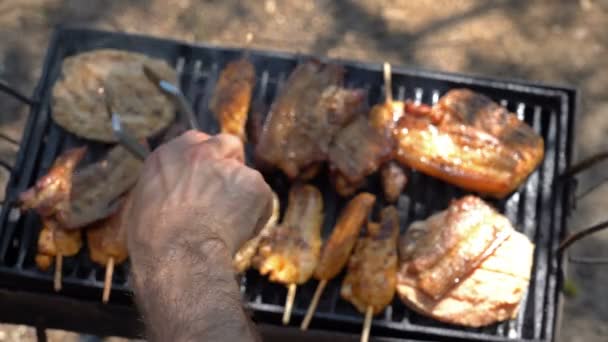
x=41 y=334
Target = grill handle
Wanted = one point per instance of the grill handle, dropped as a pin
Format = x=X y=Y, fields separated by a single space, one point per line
x=6 y=88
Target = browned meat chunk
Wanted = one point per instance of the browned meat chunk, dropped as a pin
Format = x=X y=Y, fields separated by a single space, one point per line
x=243 y=258
x=340 y=244
x=304 y=118
x=372 y=270
x=232 y=97
x=291 y=251
x=107 y=240
x=358 y=150
x=465 y=265
x=53 y=241
x=468 y=140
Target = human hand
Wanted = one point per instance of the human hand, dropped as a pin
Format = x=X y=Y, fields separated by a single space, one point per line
x=194 y=205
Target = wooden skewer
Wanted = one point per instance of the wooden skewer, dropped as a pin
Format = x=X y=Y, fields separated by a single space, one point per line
x=107 y=284
x=58 y=272
x=367 y=324
x=388 y=88
x=313 y=304
x=291 y=296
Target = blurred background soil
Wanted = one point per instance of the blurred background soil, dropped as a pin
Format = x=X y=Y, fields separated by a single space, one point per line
x=551 y=41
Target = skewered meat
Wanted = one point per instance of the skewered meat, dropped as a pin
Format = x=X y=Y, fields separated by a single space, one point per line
x=372 y=270
x=358 y=150
x=53 y=241
x=291 y=252
x=232 y=96
x=393 y=179
x=107 y=240
x=468 y=140
x=303 y=120
x=392 y=175
x=465 y=265
x=78 y=104
x=340 y=244
x=77 y=198
x=55 y=186
x=243 y=258
x=361 y=147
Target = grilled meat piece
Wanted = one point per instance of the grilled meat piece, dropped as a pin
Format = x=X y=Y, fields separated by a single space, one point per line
x=291 y=251
x=340 y=244
x=465 y=265
x=372 y=269
x=393 y=179
x=468 y=140
x=392 y=175
x=310 y=109
x=55 y=186
x=98 y=187
x=232 y=96
x=107 y=240
x=356 y=152
x=243 y=258
x=79 y=104
x=77 y=198
x=53 y=241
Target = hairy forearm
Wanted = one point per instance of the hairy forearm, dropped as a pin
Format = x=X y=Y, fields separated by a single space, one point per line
x=192 y=295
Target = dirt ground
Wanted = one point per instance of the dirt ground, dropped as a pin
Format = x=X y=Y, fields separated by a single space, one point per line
x=551 y=41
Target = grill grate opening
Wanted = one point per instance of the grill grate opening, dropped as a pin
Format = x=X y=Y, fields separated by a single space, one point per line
x=536 y=208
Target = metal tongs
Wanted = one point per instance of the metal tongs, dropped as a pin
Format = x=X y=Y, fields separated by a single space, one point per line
x=125 y=137
x=173 y=92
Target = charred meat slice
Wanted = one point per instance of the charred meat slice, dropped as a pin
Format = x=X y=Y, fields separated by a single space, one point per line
x=310 y=109
x=372 y=269
x=232 y=97
x=291 y=251
x=465 y=265
x=357 y=151
x=470 y=141
x=340 y=244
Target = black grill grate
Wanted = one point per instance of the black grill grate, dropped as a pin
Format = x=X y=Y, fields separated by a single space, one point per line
x=537 y=209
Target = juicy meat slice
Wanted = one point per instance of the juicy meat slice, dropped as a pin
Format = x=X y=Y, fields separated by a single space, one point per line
x=55 y=186
x=394 y=180
x=310 y=109
x=468 y=140
x=340 y=244
x=490 y=294
x=291 y=251
x=358 y=150
x=243 y=258
x=445 y=230
x=106 y=240
x=232 y=96
x=53 y=240
x=372 y=269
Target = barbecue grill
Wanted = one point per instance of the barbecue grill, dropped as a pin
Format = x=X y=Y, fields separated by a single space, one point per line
x=538 y=209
